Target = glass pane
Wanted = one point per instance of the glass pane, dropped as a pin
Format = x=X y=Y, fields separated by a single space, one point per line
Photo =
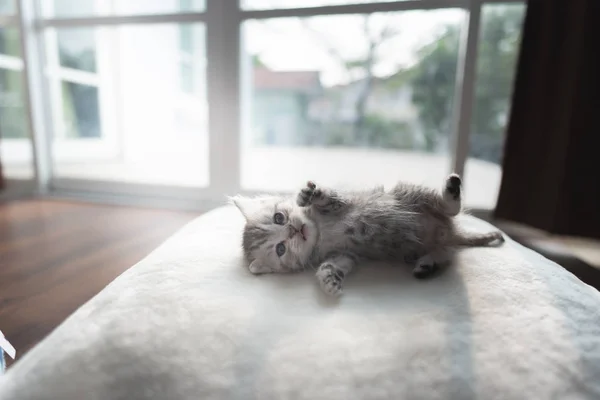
x=77 y=49
x=7 y=7
x=12 y=110
x=81 y=110
x=79 y=8
x=15 y=146
x=498 y=51
x=278 y=4
x=140 y=114
x=357 y=100
x=9 y=42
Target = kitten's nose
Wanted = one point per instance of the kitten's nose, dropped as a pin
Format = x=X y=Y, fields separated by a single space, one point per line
x=292 y=230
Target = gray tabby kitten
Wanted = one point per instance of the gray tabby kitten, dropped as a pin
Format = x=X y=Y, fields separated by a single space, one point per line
x=333 y=231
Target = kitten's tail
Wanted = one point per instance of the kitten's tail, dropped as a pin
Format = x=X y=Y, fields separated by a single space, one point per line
x=478 y=239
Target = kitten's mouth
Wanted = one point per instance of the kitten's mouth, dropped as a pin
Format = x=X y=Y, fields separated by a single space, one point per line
x=303 y=231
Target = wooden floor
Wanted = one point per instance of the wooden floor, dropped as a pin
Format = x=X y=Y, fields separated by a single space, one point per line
x=54 y=256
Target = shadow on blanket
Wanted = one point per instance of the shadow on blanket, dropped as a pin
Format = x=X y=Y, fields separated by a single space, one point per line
x=393 y=290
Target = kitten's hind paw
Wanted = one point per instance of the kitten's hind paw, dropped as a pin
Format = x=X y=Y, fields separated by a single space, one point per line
x=453 y=184
x=330 y=280
x=425 y=271
x=305 y=196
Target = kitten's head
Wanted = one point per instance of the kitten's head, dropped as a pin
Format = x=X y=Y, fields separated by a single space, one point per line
x=278 y=236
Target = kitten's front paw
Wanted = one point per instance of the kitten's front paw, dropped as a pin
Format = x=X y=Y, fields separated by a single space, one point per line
x=306 y=195
x=330 y=279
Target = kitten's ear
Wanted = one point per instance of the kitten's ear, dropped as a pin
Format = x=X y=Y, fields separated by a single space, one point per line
x=244 y=204
x=250 y=206
x=257 y=268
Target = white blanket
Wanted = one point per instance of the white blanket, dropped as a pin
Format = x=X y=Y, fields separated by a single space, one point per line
x=190 y=322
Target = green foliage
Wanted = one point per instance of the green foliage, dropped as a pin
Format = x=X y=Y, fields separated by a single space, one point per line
x=434 y=81
x=433 y=85
x=377 y=132
x=9 y=42
x=84 y=60
x=382 y=132
x=12 y=110
x=337 y=134
x=498 y=53
x=257 y=62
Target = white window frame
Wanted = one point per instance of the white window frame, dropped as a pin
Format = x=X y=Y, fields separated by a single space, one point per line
x=225 y=75
x=68 y=149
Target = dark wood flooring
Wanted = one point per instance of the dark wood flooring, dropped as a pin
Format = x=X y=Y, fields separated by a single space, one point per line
x=54 y=256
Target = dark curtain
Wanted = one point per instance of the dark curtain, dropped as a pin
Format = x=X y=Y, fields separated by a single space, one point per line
x=551 y=164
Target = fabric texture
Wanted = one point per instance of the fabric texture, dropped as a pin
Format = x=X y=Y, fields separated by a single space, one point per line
x=550 y=174
x=190 y=322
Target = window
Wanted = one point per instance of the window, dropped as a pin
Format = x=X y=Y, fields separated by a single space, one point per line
x=15 y=147
x=12 y=111
x=86 y=8
x=353 y=101
x=7 y=7
x=11 y=89
x=74 y=80
x=127 y=111
x=224 y=96
x=9 y=42
x=188 y=57
x=500 y=37
x=275 y=4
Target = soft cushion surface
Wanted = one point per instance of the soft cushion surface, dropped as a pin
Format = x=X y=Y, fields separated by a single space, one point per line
x=190 y=322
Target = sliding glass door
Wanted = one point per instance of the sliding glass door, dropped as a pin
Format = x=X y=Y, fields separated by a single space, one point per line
x=347 y=99
x=129 y=103
x=192 y=100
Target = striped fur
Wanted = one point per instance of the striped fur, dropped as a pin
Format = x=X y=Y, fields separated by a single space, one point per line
x=331 y=231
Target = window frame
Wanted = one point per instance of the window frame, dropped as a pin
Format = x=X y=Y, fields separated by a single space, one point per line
x=227 y=95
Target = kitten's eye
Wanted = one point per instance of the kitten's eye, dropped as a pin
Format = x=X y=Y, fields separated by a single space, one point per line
x=280 y=249
x=279 y=218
